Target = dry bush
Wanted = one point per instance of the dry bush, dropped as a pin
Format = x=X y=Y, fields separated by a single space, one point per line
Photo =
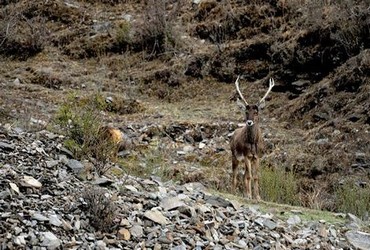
x=157 y=34
x=348 y=20
x=20 y=36
x=99 y=207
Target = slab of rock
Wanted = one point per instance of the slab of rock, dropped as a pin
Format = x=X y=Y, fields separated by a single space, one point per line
x=358 y=239
x=136 y=231
x=29 y=181
x=50 y=241
x=170 y=203
x=156 y=216
x=75 y=165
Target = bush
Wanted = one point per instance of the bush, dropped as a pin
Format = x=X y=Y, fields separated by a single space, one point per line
x=81 y=120
x=278 y=185
x=157 y=34
x=352 y=198
x=100 y=208
x=20 y=36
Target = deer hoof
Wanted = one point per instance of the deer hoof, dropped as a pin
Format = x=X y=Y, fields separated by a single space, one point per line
x=258 y=198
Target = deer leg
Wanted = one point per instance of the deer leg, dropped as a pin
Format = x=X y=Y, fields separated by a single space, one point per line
x=256 y=174
x=235 y=164
x=247 y=178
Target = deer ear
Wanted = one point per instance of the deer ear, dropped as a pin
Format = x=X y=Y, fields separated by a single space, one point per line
x=261 y=105
x=241 y=104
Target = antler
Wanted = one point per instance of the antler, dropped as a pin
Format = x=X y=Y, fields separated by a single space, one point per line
x=240 y=93
x=272 y=84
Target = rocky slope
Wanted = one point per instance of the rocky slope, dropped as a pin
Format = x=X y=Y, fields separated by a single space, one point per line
x=45 y=203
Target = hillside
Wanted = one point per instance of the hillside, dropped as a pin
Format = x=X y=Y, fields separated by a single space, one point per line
x=165 y=71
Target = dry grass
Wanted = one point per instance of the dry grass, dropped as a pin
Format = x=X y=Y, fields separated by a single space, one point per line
x=99 y=207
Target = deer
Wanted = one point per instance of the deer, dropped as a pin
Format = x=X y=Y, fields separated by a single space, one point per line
x=247 y=144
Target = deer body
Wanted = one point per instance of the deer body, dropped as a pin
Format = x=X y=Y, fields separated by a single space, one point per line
x=247 y=145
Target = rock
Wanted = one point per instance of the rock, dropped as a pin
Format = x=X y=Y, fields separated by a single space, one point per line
x=75 y=166
x=101 y=245
x=188 y=149
x=170 y=203
x=50 y=241
x=39 y=217
x=7 y=146
x=216 y=201
x=14 y=187
x=29 y=181
x=51 y=164
x=358 y=239
x=156 y=216
x=124 y=234
x=136 y=231
x=102 y=181
x=354 y=220
x=202 y=145
x=17 y=81
x=269 y=224
x=19 y=240
x=294 y=220
x=54 y=220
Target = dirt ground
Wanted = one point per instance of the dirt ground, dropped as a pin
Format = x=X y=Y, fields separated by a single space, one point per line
x=173 y=65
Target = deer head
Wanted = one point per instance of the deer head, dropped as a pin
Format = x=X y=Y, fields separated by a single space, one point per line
x=252 y=111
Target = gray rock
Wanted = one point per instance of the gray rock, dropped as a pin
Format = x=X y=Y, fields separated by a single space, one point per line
x=269 y=224
x=294 y=220
x=75 y=166
x=156 y=216
x=19 y=240
x=216 y=201
x=359 y=239
x=7 y=146
x=54 y=220
x=170 y=203
x=136 y=231
x=50 y=241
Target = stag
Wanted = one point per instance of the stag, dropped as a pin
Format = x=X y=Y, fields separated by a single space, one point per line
x=247 y=144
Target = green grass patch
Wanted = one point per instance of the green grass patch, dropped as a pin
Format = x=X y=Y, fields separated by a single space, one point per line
x=351 y=198
x=278 y=185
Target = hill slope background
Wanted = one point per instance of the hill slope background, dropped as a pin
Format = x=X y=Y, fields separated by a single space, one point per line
x=169 y=67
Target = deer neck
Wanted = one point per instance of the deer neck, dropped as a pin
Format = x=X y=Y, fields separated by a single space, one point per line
x=251 y=134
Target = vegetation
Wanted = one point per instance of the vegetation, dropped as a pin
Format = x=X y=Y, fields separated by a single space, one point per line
x=100 y=208
x=279 y=186
x=82 y=121
x=352 y=198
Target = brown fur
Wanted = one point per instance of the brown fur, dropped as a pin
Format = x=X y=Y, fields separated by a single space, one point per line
x=247 y=143
x=114 y=138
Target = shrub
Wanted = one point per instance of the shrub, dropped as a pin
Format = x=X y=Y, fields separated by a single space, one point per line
x=21 y=37
x=123 y=38
x=352 y=198
x=157 y=34
x=278 y=185
x=81 y=120
x=99 y=207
